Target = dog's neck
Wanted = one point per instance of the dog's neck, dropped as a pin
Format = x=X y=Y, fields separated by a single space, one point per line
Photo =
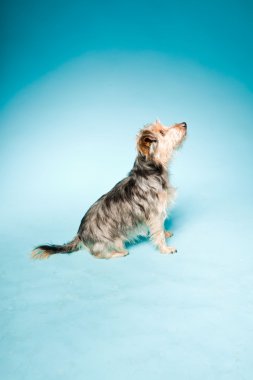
x=144 y=167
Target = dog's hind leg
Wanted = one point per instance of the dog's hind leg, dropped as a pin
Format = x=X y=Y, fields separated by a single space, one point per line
x=115 y=254
x=108 y=251
x=118 y=249
x=100 y=250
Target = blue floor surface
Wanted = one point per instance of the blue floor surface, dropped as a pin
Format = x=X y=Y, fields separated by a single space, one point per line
x=67 y=140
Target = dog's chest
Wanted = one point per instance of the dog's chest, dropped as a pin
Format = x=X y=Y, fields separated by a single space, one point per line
x=165 y=198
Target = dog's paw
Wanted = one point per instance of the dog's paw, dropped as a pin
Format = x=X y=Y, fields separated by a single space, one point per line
x=116 y=254
x=168 y=234
x=167 y=250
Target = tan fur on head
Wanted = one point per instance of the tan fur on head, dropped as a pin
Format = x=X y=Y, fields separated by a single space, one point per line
x=146 y=139
x=157 y=142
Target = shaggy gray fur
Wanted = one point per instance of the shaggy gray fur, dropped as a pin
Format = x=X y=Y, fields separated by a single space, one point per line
x=136 y=205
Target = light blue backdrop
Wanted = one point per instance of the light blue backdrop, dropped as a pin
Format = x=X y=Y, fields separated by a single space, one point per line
x=78 y=81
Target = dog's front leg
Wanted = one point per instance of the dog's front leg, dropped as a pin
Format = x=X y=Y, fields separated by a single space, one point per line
x=168 y=234
x=158 y=236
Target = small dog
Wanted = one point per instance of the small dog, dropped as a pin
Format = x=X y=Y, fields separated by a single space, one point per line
x=135 y=206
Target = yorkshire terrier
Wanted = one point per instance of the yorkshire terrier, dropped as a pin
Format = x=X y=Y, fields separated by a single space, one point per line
x=135 y=206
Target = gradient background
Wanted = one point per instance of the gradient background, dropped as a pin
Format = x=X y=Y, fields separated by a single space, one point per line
x=77 y=82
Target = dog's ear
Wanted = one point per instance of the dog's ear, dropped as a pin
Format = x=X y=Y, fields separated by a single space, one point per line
x=146 y=143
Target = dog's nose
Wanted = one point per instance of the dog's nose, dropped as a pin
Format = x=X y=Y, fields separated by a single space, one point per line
x=184 y=124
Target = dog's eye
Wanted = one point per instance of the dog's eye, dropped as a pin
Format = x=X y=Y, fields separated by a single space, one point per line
x=162 y=132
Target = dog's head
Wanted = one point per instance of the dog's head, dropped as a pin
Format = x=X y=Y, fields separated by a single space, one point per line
x=157 y=142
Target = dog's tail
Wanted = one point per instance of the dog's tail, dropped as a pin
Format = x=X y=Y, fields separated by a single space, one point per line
x=45 y=251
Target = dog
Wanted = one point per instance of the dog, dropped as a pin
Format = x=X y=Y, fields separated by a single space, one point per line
x=135 y=206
